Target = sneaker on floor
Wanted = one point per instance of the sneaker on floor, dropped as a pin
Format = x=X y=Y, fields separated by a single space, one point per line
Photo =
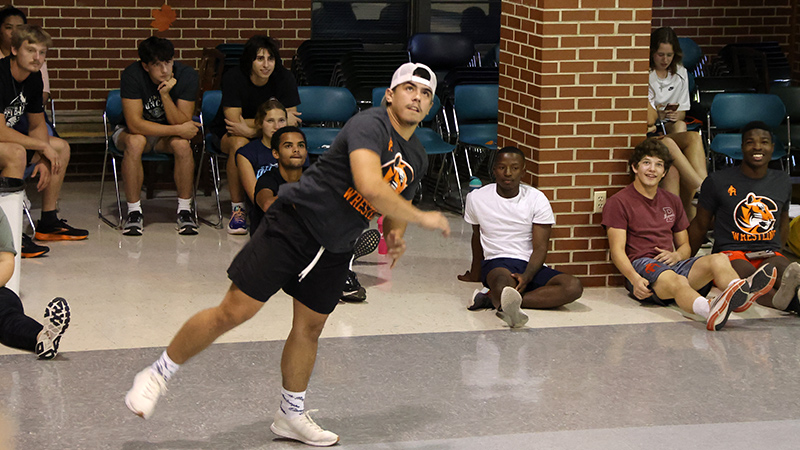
x=720 y=308
x=790 y=281
x=31 y=249
x=134 y=224
x=148 y=386
x=238 y=222
x=186 y=223
x=366 y=243
x=59 y=231
x=510 y=302
x=758 y=284
x=56 y=321
x=303 y=428
x=480 y=300
x=353 y=291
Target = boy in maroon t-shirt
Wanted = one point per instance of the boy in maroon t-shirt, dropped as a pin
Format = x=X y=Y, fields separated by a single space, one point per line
x=649 y=244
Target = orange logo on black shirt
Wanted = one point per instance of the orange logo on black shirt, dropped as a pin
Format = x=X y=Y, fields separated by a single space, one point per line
x=731 y=191
x=398 y=173
x=755 y=217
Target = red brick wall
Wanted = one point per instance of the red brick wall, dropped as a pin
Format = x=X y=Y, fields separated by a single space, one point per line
x=573 y=89
x=716 y=23
x=93 y=40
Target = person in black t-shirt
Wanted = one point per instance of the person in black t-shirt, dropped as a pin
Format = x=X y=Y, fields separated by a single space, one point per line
x=289 y=149
x=158 y=97
x=21 y=91
x=748 y=208
x=305 y=243
x=259 y=78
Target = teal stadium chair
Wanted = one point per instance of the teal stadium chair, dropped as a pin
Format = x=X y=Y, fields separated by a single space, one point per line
x=475 y=114
x=324 y=110
x=730 y=112
x=211 y=149
x=112 y=116
x=790 y=95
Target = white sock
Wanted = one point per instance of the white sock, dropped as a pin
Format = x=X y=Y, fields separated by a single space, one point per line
x=184 y=204
x=292 y=403
x=165 y=366
x=701 y=307
x=235 y=204
x=135 y=207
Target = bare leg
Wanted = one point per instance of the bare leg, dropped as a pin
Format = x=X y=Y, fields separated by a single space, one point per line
x=497 y=279
x=715 y=267
x=132 y=146
x=675 y=127
x=12 y=160
x=300 y=349
x=671 y=285
x=206 y=326
x=560 y=290
x=229 y=144
x=53 y=189
x=181 y=149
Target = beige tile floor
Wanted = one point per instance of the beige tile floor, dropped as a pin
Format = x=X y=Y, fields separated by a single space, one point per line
x=133 y=292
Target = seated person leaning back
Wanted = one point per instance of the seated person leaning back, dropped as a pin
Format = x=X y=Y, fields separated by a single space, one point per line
x=649 y=244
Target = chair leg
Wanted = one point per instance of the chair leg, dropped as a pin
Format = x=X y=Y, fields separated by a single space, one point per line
x=458 y=180
x=215 y=178
x=100 y=214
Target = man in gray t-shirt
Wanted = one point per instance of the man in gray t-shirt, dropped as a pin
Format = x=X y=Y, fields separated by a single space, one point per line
x=16 y=329
x=749 y=208
x=305 y=243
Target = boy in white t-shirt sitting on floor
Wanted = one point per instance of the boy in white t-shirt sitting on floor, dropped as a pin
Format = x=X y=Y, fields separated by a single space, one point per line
x=510 y=233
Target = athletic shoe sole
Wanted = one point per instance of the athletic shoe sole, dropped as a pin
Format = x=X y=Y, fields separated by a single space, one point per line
x=790 y=280
x=58 y=237
x=732 y=296
x=34 y=254
x=57 y=317
x=366 y=243
x=759 y=283
x=511 y=301
x=132 y=232
x=288 y=434
x=237 y=231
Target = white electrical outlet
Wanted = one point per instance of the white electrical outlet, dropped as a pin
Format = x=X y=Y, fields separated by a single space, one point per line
x=599 y=201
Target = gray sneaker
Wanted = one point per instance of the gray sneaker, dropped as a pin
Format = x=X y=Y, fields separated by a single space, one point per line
x=133 y=224
x=790 y=281
x=510 y=302
x=186 y=224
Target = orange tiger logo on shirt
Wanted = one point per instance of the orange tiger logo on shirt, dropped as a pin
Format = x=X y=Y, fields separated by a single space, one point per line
x=755 y=215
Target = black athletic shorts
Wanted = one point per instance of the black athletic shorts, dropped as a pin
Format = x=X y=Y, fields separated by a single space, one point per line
x=278 y=252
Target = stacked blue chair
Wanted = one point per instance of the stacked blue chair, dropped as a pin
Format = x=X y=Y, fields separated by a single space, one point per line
x=112 y=116
x=208 y=111
x=790 y=95
x=324 y=110
x=730 y=112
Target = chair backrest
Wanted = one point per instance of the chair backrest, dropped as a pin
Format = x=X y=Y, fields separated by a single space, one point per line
x=113 y=111
x=733 y=111
x=790 y=95
x=326 y=104
x=692 y=54
x=476 y=101
x=441 y=50
x=377 y=98
x=210 y=106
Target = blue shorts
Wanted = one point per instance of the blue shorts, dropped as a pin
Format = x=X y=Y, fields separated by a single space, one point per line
x=542 y=277
x=650 y=270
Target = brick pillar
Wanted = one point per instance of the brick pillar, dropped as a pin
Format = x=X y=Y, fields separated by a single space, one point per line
x=573 y=93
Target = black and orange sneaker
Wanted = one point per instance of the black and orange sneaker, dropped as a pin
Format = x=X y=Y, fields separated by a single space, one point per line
x=59 y=231
x=31 y=249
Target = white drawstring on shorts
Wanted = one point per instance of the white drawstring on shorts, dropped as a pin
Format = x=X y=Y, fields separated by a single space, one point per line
x=311 y=265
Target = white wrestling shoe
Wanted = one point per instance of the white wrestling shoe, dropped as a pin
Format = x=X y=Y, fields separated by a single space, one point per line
x=148 y=386
x=510 y=301
x=303 y=429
